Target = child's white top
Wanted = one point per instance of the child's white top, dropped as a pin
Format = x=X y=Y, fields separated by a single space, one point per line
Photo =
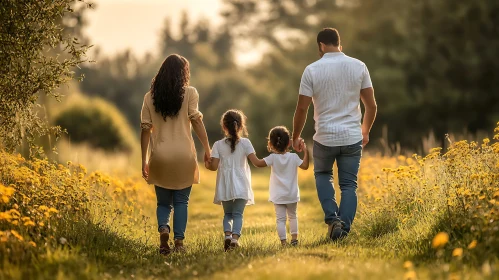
x=284 y=177
x=234 y=173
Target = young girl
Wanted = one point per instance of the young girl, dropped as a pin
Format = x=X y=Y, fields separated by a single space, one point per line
x=284 y=192
x=233 y=188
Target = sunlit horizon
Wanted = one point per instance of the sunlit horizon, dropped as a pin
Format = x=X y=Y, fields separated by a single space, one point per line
x=118 y=25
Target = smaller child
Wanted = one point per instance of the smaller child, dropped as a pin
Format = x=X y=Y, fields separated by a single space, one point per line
x=284 y=192
x=233 y=189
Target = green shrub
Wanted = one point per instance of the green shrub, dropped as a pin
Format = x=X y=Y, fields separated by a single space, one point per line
x=98 y=123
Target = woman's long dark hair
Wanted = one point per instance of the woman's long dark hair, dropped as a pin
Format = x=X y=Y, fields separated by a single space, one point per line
x=234 y=124
x=168 y=87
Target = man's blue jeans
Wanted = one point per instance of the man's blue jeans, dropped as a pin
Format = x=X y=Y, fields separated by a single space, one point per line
x=233 y=215
x=348 y=161
x=176 y=200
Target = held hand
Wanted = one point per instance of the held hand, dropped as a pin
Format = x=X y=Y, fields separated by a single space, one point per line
x=304 y=146
x=207 y=160
x=207 y=156
x=298 y=144
x=145 y=171
x=365 y=139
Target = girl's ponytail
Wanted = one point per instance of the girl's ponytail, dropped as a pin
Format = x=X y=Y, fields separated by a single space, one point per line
x=234 y=124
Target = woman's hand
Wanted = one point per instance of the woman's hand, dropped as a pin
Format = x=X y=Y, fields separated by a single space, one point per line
x=145 y=171
x=207 y=156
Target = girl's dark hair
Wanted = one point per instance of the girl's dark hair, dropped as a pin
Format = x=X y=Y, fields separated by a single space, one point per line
x=168 y=87
x=234 y=124
x=279 y=139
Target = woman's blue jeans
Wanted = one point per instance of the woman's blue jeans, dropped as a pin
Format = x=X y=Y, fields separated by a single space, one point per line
x=233 y=215
x=176 y=200
x=348 y=161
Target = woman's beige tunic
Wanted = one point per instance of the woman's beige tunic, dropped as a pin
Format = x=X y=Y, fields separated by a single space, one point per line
x=173 y=161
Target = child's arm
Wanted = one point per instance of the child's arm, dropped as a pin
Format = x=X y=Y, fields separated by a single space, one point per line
x=256 y=161
x=212 y=164
x=305 y=162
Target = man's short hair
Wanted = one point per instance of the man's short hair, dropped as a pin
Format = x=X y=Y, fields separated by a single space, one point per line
x=329 y=36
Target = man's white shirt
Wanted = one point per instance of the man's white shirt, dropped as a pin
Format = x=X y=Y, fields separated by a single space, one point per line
x=334 y=83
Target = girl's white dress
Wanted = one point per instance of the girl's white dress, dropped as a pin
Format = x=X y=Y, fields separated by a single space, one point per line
x=234 y=173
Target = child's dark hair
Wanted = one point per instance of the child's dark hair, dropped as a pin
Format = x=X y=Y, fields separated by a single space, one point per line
x=279 y=139
x=234 y=124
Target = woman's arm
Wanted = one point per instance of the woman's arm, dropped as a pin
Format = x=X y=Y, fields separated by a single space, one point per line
x=305 y=163
x=200 y=130
x=212 y=164
x=145 y=136
x=256 y=161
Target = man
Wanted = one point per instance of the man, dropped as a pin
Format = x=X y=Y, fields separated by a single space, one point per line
x=335 y=83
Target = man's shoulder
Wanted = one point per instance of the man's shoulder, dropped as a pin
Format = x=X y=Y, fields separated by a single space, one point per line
x=313 y=64
x=354 y=60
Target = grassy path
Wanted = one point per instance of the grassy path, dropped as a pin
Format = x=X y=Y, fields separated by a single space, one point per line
x=120 y=248
x=261 y=255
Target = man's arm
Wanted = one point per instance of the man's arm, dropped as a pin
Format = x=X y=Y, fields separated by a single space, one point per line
x=367 y=97
x=299 y=120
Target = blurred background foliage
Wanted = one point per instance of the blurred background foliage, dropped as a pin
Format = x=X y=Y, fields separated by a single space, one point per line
x=98 y=123
x=433 y=64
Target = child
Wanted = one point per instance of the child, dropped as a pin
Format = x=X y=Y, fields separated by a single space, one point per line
x=284 y=192
x=233 y=188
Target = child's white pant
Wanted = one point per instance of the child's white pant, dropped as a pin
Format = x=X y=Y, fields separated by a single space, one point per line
x=280 y=212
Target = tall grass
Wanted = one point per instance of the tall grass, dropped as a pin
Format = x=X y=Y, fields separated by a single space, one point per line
x=431 y=217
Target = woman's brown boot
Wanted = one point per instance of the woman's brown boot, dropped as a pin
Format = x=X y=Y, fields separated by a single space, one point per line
x=164 y=247
x=179 y=246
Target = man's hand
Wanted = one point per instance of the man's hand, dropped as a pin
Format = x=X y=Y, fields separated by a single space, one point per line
x=145 y=171
x=298 y=144
x=365 y=139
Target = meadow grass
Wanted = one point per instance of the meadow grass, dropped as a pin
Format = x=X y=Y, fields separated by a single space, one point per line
x=61 y=222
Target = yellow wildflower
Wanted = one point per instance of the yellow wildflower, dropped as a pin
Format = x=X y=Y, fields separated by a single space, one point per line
x=408 y=265
x=32 y=243
x=6 y=193
x=472 y=244
x=410 y=275
x=3 y=236
x=16 y=235
x=440 y=240
x=458 y=252
x=29 y=224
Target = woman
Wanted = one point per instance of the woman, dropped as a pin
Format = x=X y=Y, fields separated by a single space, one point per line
x=169 y=111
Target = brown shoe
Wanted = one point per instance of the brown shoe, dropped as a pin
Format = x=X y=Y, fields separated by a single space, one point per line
x=179 y=246
x=234 y=244
x=164 y=248
x=227 y=244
